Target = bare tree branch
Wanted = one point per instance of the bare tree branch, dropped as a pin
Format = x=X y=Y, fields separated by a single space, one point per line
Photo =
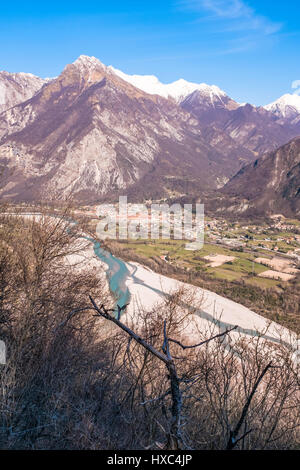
x=233 y=434
x=203 y=342
x=102 y=312
x=174 y=435
x=156 y=399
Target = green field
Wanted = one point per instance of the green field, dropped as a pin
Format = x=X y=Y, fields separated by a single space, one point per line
x=242 y=268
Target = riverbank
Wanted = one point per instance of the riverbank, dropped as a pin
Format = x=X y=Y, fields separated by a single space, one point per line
x=277 y=301
x=148 y=289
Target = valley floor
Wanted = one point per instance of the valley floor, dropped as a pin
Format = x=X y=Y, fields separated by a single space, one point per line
x=210 y=311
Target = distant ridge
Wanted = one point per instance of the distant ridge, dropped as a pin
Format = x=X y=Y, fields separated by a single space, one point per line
x=271 y=184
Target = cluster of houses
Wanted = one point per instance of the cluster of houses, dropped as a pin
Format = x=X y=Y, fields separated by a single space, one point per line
x=235 y=235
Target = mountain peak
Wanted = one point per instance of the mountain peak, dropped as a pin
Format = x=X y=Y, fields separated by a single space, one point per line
x=84 y=68
x=287 y=106
x=18 y=87
x=85 y=62
x=150 y=84
x=177 y=90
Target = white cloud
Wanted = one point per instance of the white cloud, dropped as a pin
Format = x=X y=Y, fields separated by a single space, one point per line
x=296 y=84
x=236 y=14
x=227 y=9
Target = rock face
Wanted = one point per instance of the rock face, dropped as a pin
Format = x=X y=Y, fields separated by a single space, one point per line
x=271 y=184
x=257 y=130
x=18 y=87
x=89 y=133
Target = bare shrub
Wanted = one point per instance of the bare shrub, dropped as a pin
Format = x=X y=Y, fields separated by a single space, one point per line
x=221 y=393
x=77 y=381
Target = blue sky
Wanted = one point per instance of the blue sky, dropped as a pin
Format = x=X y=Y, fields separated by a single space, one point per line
x=250 y=49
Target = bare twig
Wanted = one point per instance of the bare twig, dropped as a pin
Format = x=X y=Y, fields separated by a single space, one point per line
x=102 y=312
x=156 y=399
x=233 y=434
x=203 y=342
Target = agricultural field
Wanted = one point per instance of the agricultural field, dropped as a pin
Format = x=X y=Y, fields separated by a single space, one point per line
x=242 y=267
x=232 y=252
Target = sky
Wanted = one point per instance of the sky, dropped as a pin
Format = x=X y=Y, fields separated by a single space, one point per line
x=250 y=49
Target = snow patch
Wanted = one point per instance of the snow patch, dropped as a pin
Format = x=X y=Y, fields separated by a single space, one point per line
x=178 y=90
x=287 y=106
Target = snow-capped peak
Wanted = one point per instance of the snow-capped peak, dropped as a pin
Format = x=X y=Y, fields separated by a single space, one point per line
x=178 y=90
x=288 y=106
x=84 y=63
x=87 y=60
x=89 y=68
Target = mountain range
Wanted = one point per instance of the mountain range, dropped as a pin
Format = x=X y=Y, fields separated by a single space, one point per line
x=95 y=132
x=18 y=87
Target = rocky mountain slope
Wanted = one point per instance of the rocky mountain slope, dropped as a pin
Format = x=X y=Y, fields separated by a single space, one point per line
x=94 y=132
x=90 y=133
x=223 y=120
x=256 y=129
x=18 y=87
x=271 y=184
